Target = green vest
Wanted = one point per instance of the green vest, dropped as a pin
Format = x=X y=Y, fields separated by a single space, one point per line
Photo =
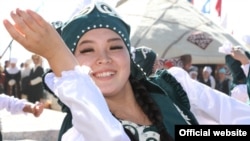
x=171 y=99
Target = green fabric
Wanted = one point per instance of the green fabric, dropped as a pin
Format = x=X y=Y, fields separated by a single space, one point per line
x=172 y=116
x=171 y=99
x=236 y=70
x=171 y=87
x=145 y=57
x=248 y=84
x=67 y=124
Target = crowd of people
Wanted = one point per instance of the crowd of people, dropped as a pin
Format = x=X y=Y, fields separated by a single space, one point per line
x=24 y=81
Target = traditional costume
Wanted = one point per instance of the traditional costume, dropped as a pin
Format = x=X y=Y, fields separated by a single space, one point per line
x=82 y=100
x=87 y=109
x=12 y=79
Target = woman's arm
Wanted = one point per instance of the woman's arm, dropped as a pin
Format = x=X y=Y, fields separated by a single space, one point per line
x=92 y=119
x=38 y=36
x=209 y=105
x=17 y=106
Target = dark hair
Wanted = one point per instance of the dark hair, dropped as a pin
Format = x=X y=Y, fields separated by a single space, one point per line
x=150 y=108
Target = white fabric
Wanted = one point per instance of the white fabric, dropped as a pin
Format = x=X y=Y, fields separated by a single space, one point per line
x=92 y=120
x=36 y=80
x=226 y=48
x=12 y=104
x=12 y=70
x=208 y=69
x=212 y=80
x=240 y=92
x=209 y=105
x=25 y=72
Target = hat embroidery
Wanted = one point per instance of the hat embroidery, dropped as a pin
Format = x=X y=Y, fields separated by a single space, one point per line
x=145 y=52
x=94 y=26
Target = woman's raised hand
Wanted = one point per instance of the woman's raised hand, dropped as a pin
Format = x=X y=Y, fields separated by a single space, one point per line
x=38 y=36
x=33 y=33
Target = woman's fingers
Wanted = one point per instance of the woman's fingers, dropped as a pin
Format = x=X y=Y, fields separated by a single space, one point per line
x=34 y=33
x=33 y=21
x=18 y=30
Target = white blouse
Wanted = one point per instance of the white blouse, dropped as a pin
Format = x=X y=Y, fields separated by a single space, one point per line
x=209 y=105
x=92 y=120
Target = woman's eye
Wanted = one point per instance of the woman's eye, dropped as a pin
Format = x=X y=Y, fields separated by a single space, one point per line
x=116 y=47
x=86 y=50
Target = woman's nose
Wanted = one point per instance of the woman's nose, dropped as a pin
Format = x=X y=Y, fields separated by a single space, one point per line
x=104 y=58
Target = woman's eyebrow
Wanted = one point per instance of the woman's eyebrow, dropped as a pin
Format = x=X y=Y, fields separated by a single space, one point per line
x=114 y=39
x=86 y=41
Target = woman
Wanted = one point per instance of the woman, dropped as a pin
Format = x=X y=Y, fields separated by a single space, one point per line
x=35 y=89
x=101 y=66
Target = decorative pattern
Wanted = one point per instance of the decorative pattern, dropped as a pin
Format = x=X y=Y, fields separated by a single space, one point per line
x=143 y=133
x=201 y=39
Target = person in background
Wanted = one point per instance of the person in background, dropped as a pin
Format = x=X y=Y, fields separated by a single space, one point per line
x=222 y=82
x=237 y=60
x=13 y=79
x=193 y=72
x=187 y=61
x=25 y=72
x=207 y=77
x=18 y=106
x=2 y=79
x=96 y=77
x=183 y=61
x=35 y=89
x=6 y=64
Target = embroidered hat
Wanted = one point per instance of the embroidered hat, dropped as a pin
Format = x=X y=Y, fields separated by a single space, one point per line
x=145 y=57
x=94 y=16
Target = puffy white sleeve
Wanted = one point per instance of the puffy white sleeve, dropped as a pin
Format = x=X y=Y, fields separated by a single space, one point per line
x=12 y=104
x=239 y=92
x=92 y=120
x=209 y=105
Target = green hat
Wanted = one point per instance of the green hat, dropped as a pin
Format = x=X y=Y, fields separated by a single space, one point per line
x=145 y=57
x=93 y=16
x=97 y=15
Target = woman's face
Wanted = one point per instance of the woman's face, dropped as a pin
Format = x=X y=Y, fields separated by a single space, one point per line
x=106 y=54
